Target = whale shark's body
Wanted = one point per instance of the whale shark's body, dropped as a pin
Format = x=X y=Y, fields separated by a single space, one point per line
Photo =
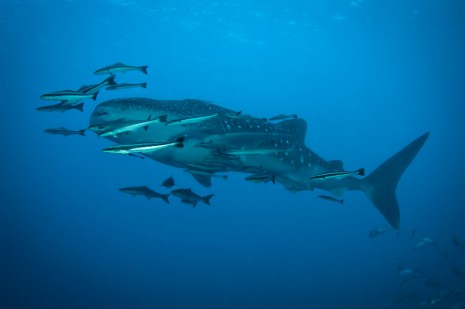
x=231 y=141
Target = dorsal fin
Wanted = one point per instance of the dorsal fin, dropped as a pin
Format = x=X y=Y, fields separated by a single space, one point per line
x=296 y=127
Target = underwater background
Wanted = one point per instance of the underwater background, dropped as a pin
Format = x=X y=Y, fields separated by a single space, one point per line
x=368 y=77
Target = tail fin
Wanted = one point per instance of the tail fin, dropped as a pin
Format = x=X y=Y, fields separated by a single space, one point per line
x=143 y=69
x=143 y=85
x=206 y=199
x=110 y=80
x=79 y=107
x=165 y=197
x=82 y=132
x=380 y=186
x=94 y=97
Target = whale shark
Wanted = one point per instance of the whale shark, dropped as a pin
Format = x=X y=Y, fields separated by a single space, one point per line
x=218 y=140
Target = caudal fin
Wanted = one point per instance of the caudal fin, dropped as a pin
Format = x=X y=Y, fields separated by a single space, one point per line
x=380 y=186
x=165 y=198
x=206 y=199
x=143 y=69
x=79 y=107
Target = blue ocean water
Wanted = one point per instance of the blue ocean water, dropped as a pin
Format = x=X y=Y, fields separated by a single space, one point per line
x=367 y=76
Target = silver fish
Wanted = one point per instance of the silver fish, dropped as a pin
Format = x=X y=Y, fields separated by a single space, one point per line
x=338 y=174
x=125 y=127
x=143 y=147
x=120 y=67
x=145 y=191
x=65 y=132
x=61 y=107
x=189 y=197
x=189 y=120
x=126 y=86
x=68 y=96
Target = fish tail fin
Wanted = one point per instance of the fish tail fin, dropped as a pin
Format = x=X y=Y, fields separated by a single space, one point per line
x=143 y=69
x=341 y=201
x=165 y=197
x=361 y=172
x=206 y=198
x=79 y=107
x=225 y=177
x=94 y=97
x=380 y=186
x=82 y=132
x=143 y=85
x=111 y=79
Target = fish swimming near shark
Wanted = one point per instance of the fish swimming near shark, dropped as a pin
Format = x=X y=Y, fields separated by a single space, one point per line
x=68 y=96
x=126 y=86
x=189 y=120
x=293 y=164
x=187 y=196
x=61 y=107
x=145 y=191
x=143 y=147
x=126 y=127
x=338 y=174
x=65 y=132
x=120 y=67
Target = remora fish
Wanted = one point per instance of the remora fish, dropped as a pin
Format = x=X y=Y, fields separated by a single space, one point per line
x=145 y=191
x=338 y=174
x=65 y=132
x=291 y=169
x=143 y=147
x=125 y=127
x=61 y=107
x=91 y=89
x=332 y=199
x=189 y=197
x=68 y=96
x=120 y=67
x=189 y=120
x=126 y=86
x=283 y=117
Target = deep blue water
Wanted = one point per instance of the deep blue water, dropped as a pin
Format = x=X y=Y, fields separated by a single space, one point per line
x=368 y=76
